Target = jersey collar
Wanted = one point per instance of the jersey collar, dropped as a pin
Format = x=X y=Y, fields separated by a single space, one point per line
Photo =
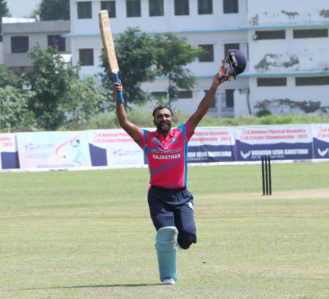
x=158 y=135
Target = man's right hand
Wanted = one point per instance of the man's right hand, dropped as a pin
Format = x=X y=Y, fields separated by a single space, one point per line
x=116 y=88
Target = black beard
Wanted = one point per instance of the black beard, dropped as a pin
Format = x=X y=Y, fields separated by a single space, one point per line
x=163 y=127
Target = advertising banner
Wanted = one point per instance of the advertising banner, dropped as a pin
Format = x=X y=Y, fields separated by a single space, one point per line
x=113 y=147
x=281 y=142
x=212 y=144
x=53 y=150
x=8 y=151
x=321 y=141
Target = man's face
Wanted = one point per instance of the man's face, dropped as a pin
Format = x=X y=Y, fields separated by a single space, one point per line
x=163 y=120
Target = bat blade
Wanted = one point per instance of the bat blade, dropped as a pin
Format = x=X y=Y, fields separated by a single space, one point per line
x=108 y=44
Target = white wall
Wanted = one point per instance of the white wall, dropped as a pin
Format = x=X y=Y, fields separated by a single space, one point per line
x=312 y=54
x=289 y=57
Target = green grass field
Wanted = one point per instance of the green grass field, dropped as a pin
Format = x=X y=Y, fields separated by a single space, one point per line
x=87 y=234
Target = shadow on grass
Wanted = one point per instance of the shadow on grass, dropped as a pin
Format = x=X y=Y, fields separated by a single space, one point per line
x=91 y=286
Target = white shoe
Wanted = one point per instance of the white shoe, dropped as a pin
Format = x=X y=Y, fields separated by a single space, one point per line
x=170 y=281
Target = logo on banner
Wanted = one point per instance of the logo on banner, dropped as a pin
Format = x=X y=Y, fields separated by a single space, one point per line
x=245 y=155
x=323 y=153
x=72 y=148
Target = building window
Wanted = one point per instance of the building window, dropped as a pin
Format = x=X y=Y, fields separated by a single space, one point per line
x=271 y=81
x=305 y=81
x=84 y=10
x=230 y=6
x=208 y=56
x=57 y=42
x=229 y=98
x=133 y=8
x=277 y=34
x=230 y=47
x=204 y=7
x=182 y=8
x=110 y=7
x=185 y=94
x=156 y=8
x=311 y=33
x=19 y=44
x=86 y=57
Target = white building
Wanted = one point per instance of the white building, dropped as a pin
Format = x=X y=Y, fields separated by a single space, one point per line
x=289 y=57
x=21 y=34
x=279 y=39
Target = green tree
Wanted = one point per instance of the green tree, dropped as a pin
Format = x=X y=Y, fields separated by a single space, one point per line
x=14 y=110
x=135 y=52
x=172 y=56
x=50 y=81
x=55 y=10
x=85 y=99
x=4 y=12
x=36 y=11
x=60 y=97
x=8 y=77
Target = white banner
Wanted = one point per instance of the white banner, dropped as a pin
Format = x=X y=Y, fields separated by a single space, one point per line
x=114 y=147
x=53 y=150
x=212 y=144
x=279 y=141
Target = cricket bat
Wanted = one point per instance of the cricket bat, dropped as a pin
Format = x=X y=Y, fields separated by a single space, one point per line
x=105 y=29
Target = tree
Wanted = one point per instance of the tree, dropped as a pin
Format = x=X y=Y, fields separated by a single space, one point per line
x=36 y=12
x=8 y=77
x=4 y=12
x=55 y=10
x=136 y=58
x=14 y=113
x=172 y=56
x=85 y=99
x=60 y=97
x=50 y=80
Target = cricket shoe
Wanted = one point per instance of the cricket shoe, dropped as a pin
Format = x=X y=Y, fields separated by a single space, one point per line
x=170 y=281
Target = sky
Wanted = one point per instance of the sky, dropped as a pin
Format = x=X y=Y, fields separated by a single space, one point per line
x=19 y=8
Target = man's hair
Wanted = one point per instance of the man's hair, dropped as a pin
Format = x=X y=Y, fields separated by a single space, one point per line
x=160 y=108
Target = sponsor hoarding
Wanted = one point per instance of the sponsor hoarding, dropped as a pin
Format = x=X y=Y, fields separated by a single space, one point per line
x=321 y=141
x=53 y=150
x=8 y=151
x=113 y=147
x=212 y=144
x=281 y=142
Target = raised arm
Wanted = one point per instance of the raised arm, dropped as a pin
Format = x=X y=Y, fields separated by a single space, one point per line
x=132 y=130
x=205 y=102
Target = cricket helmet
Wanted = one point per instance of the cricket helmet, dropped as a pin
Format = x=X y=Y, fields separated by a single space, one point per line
x=234 y=64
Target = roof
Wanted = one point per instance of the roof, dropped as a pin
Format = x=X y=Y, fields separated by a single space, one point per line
x=36 y=27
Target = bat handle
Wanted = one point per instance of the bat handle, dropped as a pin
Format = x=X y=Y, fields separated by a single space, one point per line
x=116 y=79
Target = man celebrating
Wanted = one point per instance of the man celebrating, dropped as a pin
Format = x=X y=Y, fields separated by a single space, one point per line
x=166 y=149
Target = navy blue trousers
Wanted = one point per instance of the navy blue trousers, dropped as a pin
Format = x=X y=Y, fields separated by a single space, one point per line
x=173 y=207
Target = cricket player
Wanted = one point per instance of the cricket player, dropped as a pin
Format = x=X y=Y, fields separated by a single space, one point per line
x=166 y=149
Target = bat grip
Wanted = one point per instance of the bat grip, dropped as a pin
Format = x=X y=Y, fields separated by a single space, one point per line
x=116 y=79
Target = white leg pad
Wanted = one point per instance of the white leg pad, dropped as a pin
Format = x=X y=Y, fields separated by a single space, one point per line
x=166 y=240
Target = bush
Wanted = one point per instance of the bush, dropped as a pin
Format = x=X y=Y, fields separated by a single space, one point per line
x=141 y=116
x=263 y=112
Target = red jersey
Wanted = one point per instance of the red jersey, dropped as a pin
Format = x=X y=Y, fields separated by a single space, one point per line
x=167 y=157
